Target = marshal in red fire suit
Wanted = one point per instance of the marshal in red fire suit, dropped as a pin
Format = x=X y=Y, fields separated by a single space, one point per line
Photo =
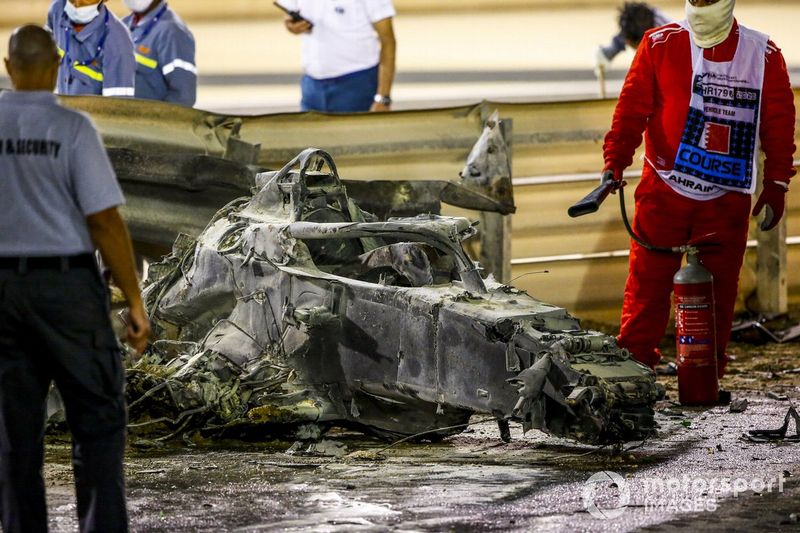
x=655 y=100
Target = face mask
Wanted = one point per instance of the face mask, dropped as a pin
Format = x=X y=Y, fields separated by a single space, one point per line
x=81 y=15
x=138 y=6
x=710 y=24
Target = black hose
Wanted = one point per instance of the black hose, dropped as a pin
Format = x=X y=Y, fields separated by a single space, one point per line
x=635 y=237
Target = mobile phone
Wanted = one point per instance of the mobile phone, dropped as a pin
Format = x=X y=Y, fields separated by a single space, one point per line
x=296 y=16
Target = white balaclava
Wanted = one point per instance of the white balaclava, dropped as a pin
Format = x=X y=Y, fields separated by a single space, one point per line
x=710 y=24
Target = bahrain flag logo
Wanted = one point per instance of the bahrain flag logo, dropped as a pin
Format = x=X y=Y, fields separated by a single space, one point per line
x=716 y=138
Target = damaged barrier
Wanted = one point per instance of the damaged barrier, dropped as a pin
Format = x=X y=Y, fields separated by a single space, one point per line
x=557 y=151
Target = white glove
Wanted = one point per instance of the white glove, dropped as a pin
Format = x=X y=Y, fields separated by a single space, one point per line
x=600 y=61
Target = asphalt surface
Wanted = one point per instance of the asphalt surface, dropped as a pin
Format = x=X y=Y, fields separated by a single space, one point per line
x=699 y=472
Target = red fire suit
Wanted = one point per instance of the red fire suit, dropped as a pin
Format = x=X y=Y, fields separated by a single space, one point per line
x=655 y=100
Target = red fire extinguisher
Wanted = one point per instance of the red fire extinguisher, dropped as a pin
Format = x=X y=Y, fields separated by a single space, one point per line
x=695 y=333
x=693 y=287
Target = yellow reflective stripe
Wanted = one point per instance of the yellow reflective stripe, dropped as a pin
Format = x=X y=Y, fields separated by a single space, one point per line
x=146 y=61
x=83 y=69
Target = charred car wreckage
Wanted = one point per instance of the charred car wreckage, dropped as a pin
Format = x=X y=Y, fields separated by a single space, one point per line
x=295 y=310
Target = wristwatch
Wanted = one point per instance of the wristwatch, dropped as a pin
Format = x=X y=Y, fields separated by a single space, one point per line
x=383 y=100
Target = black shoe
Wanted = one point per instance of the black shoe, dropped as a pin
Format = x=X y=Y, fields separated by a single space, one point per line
x=724 y=397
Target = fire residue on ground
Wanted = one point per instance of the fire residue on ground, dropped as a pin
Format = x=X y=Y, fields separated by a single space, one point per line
x=473 y=480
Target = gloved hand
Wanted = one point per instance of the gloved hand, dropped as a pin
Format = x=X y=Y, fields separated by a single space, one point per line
x=601 y=61
x=773 y=197
x=612 y=174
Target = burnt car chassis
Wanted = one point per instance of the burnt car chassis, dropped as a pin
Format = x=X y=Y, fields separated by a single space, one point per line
x=294 y=310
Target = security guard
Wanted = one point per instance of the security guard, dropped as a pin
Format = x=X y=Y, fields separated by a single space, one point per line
x=165 y=67
x=95 y=47
x=58 y=198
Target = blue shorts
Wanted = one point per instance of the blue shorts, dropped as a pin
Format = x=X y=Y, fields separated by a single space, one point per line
x=350 y=93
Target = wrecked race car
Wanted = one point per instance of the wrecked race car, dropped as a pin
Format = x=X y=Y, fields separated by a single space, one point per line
x=295 y=310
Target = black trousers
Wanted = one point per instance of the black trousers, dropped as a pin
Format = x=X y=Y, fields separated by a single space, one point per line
x=55 y=326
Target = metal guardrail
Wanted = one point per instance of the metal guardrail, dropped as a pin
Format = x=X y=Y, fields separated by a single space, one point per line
x=557 y=148
x=751 y=243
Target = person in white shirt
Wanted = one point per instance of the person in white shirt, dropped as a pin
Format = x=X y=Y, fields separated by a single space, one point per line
x=348 y=53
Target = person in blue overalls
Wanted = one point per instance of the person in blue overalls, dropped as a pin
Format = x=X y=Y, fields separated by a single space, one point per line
x=95 y=48
x=164 y=49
